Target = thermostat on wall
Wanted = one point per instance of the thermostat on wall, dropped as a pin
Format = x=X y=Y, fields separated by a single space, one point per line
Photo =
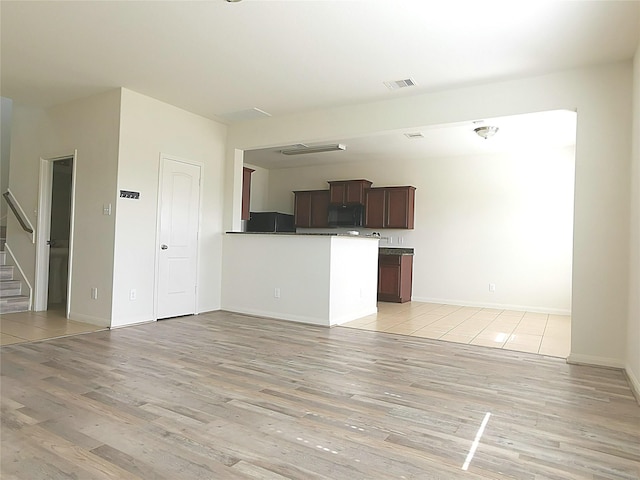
x=129 y=194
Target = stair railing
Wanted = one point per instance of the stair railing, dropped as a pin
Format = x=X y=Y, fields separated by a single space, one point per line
x=14 y=206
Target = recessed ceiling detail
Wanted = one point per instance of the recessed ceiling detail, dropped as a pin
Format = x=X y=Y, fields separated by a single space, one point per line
x=396 y=84
x=334 y=147
x=414 y=135
x=248 y=114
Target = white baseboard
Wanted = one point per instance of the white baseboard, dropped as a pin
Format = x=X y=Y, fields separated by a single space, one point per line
x=634 y=383
x=124 y=325
x=276 y=315
x=131 y=321
x=578 y=359
x=79 y=317
x=353 y=316
x=501 y=306
x=301 y=318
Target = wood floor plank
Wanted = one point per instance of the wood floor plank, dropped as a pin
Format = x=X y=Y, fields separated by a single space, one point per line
x=229 y=396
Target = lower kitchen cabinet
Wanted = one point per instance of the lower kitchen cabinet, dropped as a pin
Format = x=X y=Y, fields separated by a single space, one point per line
x=395 y=276
x=311 y=209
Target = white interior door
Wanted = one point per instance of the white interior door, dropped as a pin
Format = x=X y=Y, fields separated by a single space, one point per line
x=179 y=213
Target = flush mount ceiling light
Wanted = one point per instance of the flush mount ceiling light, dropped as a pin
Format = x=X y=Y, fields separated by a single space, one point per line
x=302 y=149
x=486 y=131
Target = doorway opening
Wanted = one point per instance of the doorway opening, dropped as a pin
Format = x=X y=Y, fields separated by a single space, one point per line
x=54 y=243
x=59 y=233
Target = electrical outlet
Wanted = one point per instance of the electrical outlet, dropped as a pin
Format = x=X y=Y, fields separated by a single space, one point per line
x=94 y=293
x=276 y=292
x=492 y=287
x=133 y=294
x=400 y=240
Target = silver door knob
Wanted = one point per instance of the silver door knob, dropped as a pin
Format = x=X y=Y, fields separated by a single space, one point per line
x=164 y=247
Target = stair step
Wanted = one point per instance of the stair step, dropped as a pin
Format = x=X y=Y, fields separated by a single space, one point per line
x=10 y=288
x=13 y=304
x=6 y=272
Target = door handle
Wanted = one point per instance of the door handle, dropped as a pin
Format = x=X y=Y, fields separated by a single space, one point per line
x=163 y=247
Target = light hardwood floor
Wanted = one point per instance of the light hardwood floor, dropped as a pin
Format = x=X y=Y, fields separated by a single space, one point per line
x=224 y=396
x=508 y=329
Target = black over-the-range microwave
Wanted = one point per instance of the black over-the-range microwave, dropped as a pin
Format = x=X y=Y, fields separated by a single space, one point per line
x=346 y=215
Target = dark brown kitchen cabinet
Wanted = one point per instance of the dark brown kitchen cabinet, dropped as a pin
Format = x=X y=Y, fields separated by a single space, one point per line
x=311 y=208
x=390 y=207
x=395 y=276
x=246 y=192
x=348 y=192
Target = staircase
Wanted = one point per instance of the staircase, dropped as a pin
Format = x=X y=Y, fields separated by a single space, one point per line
x=11 y=298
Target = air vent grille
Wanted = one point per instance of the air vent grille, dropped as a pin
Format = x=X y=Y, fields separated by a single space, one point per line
x=396 y=84
x=414 y=135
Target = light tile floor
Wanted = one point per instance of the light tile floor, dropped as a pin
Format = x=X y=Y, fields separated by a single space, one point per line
x=24 y=327
x=541 y=333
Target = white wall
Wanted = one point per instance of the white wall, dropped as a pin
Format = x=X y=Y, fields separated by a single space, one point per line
x=322 y=280
x=633 y=331
x=6 y=107
x=602 y=97
x=254 y=265
x=26 y=138
x=501 y=219
x=119 y=137
x=148 y=128
x=353 y=280
x=89 y=126
x=259 y=189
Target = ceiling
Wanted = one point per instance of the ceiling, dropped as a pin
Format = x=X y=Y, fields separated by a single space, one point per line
x=221 y=60
x=233 y=61
x=522 y=133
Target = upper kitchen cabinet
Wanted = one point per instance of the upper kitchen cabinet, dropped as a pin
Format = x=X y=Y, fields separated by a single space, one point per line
x=390 y=207
x=348 y=192
x=311 y=208
x=246 y=192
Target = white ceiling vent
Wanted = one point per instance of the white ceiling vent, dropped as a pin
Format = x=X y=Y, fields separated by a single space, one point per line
x=414 y=135
x=396 y=84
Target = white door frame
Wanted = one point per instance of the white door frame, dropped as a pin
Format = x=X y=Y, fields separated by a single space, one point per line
x=157 y=243
x=43 y=231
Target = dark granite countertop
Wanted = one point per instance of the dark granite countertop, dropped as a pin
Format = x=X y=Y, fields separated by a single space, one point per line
x=395 y=251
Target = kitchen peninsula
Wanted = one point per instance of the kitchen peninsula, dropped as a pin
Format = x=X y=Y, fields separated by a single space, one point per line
x=321 y=279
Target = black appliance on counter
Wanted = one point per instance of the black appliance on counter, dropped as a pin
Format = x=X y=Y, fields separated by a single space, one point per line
x=346 y=215
x=270 y=222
